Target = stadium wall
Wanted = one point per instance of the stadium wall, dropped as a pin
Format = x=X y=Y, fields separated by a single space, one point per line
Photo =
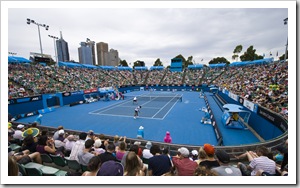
x=25 y=105
x=261 y=125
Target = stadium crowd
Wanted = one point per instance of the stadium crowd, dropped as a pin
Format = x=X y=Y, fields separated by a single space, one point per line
x=100 y=157
x=266 y=85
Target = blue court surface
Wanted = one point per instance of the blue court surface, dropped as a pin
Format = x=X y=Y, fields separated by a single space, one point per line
x=177 y=112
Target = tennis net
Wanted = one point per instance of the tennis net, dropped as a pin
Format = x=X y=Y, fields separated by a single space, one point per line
x=157 y=98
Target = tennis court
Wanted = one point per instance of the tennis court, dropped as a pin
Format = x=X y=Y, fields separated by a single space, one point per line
x=177 y=112
x=154 y=106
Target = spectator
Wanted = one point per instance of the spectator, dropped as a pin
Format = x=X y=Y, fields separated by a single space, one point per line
x=11 y=131
x=97 y=148
x=282 y=171
x=69 y=143
x=108 y=155
x=285 y=156
x=133 y=148
x=225 y=169
x=25 y=157
x=121 y=151
x=261 y=162
x=111 y=168
x=13 y=169
x=133 y=165
x=116 y=141
x=104 y=143
x=146 y=152
x=90 y=135
x=203 y=171
x=61 y=135
x=168 y=138
x=210 y=162
x=55 y=136
x=93 y=166
x=31 y=131
x=201 y=155
x=194 y=155
x=29 y=143
x=86 y=154
x=158 y=164
x=140 y=151
x=34 y=132
x=278 y=157
x=79 y=146
x=33 y=125
x=60 y=142
x=184 y=166
x=46 y=145
x=19 y=132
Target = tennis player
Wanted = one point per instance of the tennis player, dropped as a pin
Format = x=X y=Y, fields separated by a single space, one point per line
x=134 y=100
x=137 y=111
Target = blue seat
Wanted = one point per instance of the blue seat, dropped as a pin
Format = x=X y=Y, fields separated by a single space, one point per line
x=33 y=171
x=58 y=160
x=73 y=164
x=46 y=158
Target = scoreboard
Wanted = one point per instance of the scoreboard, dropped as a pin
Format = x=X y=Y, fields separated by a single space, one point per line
x=42 y=59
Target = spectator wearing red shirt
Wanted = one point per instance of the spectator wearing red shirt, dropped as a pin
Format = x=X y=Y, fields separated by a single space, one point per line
x=184 y=166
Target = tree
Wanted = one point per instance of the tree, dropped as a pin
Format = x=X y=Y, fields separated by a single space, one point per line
x=123 y=63
x=282 y=57
x=236 y=51
x=218 y=60
x=189 y=61
x=158 y=63
x=250 y=55
x=138 y=63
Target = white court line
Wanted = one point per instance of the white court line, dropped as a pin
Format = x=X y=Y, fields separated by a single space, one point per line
x=126 y=116
x=165 y=106
x=170 y=109
x=111 y=106
x=143 y=107
x=129 y=100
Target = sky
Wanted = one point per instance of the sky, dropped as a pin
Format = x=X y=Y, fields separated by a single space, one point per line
x=149 y=30
x=149 y=33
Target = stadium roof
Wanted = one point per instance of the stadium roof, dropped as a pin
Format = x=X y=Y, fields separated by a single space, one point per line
x=14 y=59
x=255 y=62
x=156 y=68
x=124 y=68
x=89 y=66
x=107 y=67
x=200 y=66
x=69 y=64
x=217 y=65
x=140 y=68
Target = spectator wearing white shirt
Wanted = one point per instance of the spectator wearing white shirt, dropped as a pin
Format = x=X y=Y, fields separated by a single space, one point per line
x=146 y=151
x=19 y=132
x=78 y=147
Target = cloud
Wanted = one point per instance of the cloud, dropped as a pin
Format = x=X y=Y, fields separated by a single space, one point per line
x=150 y=33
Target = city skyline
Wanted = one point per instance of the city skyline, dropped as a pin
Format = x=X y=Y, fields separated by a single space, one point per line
x=147 y=34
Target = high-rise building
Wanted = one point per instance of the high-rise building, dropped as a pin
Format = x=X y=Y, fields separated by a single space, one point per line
x=85 y=54
x=62 y=49
x=105 y=57
x=102 y=53
x=113 y=58
x=91 y=44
